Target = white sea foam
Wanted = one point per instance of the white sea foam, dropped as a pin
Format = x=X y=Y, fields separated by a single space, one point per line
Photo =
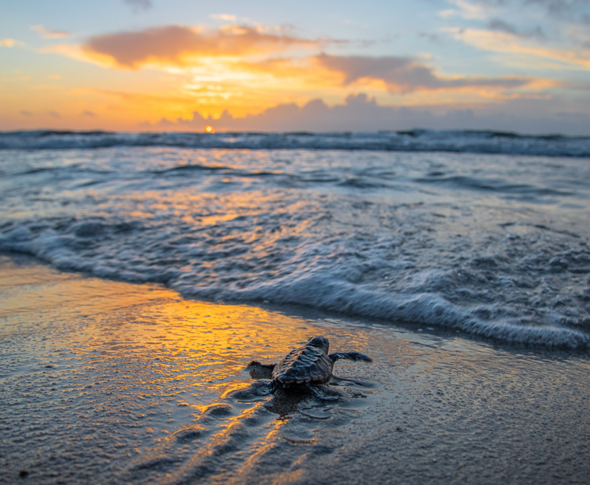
x=495 y=246
x=414 y=140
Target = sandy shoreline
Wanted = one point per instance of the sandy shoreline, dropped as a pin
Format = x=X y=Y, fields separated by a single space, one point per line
x=108 y=382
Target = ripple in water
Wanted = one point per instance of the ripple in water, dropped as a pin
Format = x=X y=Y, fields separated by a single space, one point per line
x=492 y=245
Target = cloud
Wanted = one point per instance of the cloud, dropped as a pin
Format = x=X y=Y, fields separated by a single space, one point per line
x=7 y=42
x=557 y=21
x=509 y=43
x=558 y=30
x=405 y=74
x=54 y=114
x=50 y=34
x=502 y=26
x=557 y=13
x=256 y=67
x=552 y=8
x=224 y=16
x=139 y=4
x=562 y=9
x=361 y=113
x=468 y=10
x=88 y=113
x=24 y=112
x=434 y=38
x=177 y=45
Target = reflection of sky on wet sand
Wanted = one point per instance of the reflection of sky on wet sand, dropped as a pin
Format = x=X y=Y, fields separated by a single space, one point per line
x=127 y=382
x=128 y=364
x=198 y=343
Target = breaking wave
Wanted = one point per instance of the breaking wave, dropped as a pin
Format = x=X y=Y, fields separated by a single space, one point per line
x=459 y=141
x=495 y=246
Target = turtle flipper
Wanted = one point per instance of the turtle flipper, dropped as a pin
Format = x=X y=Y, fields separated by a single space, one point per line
x=356 y=356
x=260 y=371
x=339 y=381
x=258 y=389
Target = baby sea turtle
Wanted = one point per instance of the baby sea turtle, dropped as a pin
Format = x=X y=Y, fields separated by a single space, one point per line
x=303 y=366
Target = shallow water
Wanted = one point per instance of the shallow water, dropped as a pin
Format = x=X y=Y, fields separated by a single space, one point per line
x=493 y=245
x=109 y=382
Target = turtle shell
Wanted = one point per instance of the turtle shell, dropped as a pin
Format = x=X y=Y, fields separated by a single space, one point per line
x=305 y=364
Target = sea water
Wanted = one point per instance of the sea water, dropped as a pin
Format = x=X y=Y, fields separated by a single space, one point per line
x=486 y=233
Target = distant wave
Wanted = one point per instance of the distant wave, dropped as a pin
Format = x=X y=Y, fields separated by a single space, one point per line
x=458 y=141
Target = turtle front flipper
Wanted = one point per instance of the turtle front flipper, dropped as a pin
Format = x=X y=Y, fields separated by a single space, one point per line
x=356 y=356
x=254 y=392
x=260 y=371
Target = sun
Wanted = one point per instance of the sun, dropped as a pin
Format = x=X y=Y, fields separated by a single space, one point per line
x=210 y=129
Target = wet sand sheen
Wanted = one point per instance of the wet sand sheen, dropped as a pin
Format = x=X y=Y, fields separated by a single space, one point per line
x=107 y=382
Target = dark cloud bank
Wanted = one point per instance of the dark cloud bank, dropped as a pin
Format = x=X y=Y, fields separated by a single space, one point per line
x=359 y=113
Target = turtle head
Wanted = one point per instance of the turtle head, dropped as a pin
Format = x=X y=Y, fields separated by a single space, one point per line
x=320 y=343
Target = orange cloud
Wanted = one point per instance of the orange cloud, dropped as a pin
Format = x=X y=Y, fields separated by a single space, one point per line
x=250 y=69
x=243 y=57
x=177 y=45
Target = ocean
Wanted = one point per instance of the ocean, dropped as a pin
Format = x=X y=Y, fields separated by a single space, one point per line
x=141 y=273
x=482 y=232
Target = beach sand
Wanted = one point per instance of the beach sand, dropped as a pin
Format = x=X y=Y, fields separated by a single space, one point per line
x=109 y=382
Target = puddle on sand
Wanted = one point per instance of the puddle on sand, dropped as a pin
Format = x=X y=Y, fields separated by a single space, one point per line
x=106 y=382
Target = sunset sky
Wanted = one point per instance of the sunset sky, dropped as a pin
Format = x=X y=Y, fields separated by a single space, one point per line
x=179 y=65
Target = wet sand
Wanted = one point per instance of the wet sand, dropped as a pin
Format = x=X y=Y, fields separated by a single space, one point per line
x=109 y=382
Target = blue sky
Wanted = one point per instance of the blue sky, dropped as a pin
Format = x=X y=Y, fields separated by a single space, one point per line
x=514 y=65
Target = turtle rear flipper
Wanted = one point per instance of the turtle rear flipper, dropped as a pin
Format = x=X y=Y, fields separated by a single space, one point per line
x=356 y=356
x=342 y=381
